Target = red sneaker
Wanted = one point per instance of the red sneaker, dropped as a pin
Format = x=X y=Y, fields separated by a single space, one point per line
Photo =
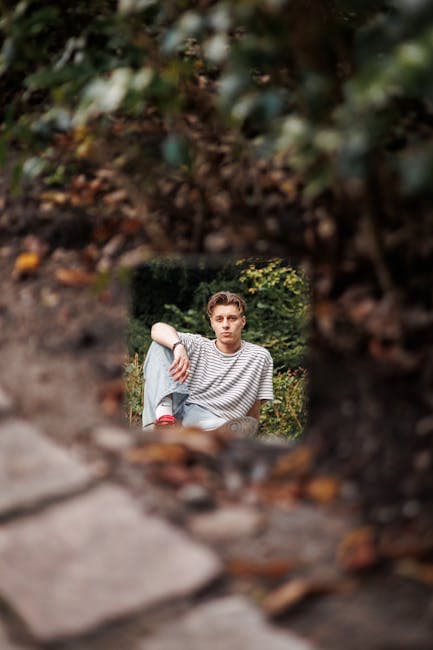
x=165 y=420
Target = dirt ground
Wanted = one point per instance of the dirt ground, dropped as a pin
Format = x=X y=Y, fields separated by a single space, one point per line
x=63 y=349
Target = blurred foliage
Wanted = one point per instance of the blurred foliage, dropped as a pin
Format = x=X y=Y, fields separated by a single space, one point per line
x=321 y=85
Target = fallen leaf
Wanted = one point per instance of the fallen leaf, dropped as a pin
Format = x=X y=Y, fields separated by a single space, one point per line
x=157 y=453
x=296 y=463
x=290 y=187
x=420 y=571
x=174 y=475
x=26 y=263
x=281 y=494
x=360 y=310
x=111 y=396
x=130 y=226
x=358 y=550
x=74 y=277
x=280 y=600
x=33 y=244
x=322 y=489
x=115 y=197
x=396 y=543
x=195 y=440
x=273 y=569
x=59 y=198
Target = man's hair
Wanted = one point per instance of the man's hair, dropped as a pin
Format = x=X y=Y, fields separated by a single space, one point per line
x=226 y=298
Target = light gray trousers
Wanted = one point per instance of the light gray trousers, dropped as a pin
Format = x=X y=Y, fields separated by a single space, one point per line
x=158 y=383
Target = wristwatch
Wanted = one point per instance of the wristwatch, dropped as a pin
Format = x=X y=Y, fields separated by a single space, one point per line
x=174 y=345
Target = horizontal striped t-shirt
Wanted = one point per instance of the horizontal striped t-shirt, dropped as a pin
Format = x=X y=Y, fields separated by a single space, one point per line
x=227 y=384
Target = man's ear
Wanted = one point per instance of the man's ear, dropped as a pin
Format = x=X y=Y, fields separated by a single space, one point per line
x=244 y=321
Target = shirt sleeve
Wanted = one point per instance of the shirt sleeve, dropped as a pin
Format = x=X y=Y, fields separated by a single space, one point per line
x=190 y=341
x=266 y=391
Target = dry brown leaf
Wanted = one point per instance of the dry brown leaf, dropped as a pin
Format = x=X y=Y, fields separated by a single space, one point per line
x=195 y=440
x=361 y=310
x=399 y=543
x=322 y=489
x=358 y=550
x=273 y=569
x=130 y=226
x=59 y=198
x=296 y=463
x=27 y=262
x=157 y=453
x=115 y=197
x=420 y=571
x=111 y=396
x=74 y=277
x=280 y=600
x=281 y=494
x=174 y=475
x=290 y=187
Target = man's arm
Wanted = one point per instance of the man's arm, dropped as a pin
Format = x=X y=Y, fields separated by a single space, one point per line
x=166 y=335
x=254 y=411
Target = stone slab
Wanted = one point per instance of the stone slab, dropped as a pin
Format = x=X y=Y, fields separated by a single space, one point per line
x=32 y=468
x=5 y=641
x=6 y=402
x=112 y=439
x=230 y=623
x=224 y=524
x=94 y=559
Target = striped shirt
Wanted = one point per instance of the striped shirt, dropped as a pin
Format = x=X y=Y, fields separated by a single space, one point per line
x=227 y=384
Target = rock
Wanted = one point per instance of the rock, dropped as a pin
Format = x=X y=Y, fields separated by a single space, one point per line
x=94 y=559
x=230 y=623
x=5 y=641
x=196 y=496
x=6 y=402
x=112 y=439
x=33 y=469
x=227 y=523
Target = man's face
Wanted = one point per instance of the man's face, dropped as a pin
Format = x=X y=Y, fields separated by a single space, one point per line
x=227 y=322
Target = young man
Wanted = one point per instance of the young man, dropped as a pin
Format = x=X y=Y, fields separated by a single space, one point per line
x=207 y=383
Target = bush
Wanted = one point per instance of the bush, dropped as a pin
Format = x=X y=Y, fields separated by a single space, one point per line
x=286 y=415
x=134 y=389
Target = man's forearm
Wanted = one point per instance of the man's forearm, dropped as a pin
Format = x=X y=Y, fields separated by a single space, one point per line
x=254 y=411
x=164 y=334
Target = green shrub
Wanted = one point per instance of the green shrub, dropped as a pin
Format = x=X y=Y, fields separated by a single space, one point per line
x=134 y=389
x=286 y=415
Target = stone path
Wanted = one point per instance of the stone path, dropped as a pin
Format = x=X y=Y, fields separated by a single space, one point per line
x=77 y=555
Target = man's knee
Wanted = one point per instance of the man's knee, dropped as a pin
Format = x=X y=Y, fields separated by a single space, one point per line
x=158 y=354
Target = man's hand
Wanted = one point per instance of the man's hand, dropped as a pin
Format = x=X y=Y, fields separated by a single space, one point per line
x=179 y=369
